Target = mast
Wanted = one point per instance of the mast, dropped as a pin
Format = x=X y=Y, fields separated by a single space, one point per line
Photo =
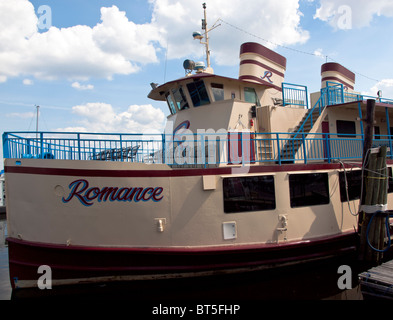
x=204 y=27
x=205 y=36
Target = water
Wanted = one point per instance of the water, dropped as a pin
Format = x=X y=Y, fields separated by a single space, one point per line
x=317 y=281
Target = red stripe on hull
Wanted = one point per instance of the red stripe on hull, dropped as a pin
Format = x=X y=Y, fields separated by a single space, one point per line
x=73 y=262
x=172 y=172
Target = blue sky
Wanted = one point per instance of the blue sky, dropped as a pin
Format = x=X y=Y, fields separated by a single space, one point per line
x=89 y=67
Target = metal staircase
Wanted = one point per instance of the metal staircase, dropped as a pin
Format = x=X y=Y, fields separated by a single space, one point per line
x=333 y=93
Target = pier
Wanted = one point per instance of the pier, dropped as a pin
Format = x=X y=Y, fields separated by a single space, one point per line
x=377 y=283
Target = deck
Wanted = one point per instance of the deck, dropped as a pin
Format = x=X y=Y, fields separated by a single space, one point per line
x=377 y=283
x=201 y=150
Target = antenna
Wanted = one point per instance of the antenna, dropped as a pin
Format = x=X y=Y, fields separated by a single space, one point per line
x=199 y=36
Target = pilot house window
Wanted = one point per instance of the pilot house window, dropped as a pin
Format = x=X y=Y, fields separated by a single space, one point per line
x=171 y=105
x=218 y=91
x=198 y=93
x=251 y=96
x=180 y=98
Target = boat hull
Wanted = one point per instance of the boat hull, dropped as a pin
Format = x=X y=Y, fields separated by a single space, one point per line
x=79 y=265
x=91 y=227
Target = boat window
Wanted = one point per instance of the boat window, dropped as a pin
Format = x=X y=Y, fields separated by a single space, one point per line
x=251 y=96
x=198 y=93
x=170 y=102
x=346 y=128
x=354 y=183
x=218 y=91
x=309 y=189
x=180 y=98
x=242 y=194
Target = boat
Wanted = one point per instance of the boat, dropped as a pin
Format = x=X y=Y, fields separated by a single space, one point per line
x=251 y=173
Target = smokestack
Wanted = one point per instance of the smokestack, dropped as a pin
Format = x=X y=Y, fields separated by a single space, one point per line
x=261 y=65
x=335 y=72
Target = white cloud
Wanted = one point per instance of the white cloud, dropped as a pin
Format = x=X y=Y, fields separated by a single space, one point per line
x=319 y=53
x=117 y=35
x=28 y=82
x=102 y=117
x=116 y=45
x=22 y=115
x=385 y=85
x=113 y=46
x=276 y=21
x=76 y=85
x=356 y=13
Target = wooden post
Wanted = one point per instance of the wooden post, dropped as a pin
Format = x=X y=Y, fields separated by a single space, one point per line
x=364 y=219
x=369 y=130
x=375 y=194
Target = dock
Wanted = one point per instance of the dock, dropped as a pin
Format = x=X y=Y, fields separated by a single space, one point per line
x=377 y=283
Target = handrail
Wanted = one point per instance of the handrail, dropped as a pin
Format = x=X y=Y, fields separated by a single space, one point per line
x=332 y=94
x=186 y=149
x=297 y=94
x=329 y=95
x=310 y=112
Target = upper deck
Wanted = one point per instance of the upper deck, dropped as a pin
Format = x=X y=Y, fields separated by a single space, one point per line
x=180 y=147
x=220 y=121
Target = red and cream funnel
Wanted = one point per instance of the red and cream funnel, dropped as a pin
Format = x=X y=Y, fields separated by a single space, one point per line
x=335 y=72
x=261 y=65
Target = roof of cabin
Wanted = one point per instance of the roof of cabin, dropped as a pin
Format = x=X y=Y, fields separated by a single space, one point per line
x=159 y=92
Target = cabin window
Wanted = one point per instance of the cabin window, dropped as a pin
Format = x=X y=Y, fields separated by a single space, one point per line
x=346 y=128
x=243 y=194
x=170 y=102
x=309 y=189
x=218 y=91
x=198 y=93
x=180 y=98
x=251 y=96
x=354 y=182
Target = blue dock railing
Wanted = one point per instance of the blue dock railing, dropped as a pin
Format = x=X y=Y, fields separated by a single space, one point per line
x=208 y=149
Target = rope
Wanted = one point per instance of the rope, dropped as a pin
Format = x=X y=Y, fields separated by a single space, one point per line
x=292 y=49
x=387 y=232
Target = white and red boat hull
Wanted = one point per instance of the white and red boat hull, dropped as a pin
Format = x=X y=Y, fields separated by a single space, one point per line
x=116 y=236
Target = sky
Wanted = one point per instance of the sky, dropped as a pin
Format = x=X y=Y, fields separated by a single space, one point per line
x=88 y=65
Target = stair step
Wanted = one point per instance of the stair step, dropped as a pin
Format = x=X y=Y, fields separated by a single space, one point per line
x=291 y=147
